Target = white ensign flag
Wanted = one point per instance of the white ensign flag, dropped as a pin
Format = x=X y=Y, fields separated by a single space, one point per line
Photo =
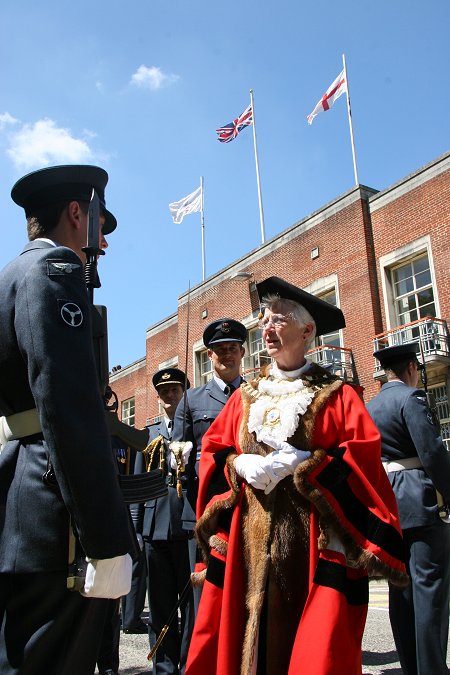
x=184 y=207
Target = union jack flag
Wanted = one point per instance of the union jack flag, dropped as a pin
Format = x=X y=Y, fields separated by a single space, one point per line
x=229 y=132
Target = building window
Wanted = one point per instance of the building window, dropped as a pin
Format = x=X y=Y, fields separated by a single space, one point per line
x=334 y=338
x=128 y=411
x=256 y=356
x=205 y=366
x=412 y=290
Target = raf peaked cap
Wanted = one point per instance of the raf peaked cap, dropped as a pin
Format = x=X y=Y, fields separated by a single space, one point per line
x=68 y=183
x=328 y=317
x=170 y=376
x=224 y=330
x=397 y=353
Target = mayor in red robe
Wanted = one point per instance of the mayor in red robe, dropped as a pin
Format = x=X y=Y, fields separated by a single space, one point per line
x=295 y=511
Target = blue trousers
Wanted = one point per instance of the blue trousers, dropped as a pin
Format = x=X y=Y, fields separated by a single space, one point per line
x=419 y=614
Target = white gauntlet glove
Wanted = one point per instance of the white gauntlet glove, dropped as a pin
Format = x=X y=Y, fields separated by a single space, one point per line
x=175 y=447
x=109 y=578
x=251 y=468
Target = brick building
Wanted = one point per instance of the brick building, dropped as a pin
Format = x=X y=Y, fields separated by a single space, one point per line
x=383 y=257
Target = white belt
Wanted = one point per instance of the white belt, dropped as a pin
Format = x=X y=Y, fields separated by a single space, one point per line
x=19 y=425
x=402 y=464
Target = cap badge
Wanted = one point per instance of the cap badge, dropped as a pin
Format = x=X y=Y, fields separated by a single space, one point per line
x=166 y=376
x=225 y=327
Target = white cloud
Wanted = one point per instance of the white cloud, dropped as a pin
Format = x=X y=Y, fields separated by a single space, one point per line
x=152 y=78
x=43 y=143
x=5 y=119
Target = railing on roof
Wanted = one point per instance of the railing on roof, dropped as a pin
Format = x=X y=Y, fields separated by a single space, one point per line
x=430 y=332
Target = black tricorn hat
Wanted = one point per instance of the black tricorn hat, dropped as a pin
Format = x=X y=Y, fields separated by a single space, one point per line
x=71 y=182
x=397 y=353
x=170 y=376
x=328 y=317
x=224 y=330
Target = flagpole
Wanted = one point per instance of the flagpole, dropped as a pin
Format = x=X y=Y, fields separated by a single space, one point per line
x=261 y=210
x=349 y=111
x=202 y=218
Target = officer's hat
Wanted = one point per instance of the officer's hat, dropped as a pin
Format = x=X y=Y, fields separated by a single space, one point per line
x=390 y=355
x=170 y=376
x=68 y=183
x=327 y=317
x=224 y=330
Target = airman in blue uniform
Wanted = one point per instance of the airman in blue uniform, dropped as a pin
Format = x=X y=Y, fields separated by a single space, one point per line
x=165 y=541
x=57 y=471
x=418 y=466
x=224 y=339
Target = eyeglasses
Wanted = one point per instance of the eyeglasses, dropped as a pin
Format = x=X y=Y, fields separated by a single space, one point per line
x=276 y=320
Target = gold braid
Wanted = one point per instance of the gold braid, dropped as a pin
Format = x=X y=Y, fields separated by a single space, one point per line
x=149 y=453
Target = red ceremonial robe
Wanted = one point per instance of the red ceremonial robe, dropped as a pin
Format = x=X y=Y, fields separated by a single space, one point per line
x=343 y=489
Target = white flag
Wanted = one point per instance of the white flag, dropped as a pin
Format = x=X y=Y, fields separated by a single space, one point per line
x=331 y=95
x=184 y=207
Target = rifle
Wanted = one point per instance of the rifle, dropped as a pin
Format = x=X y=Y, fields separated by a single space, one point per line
x=177 y=449
x=135 y=488
x=444 y=509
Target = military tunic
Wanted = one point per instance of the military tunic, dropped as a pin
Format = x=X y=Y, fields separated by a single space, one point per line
x=47 y=363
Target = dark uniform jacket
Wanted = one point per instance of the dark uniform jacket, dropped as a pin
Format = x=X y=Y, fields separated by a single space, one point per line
x=404 y=421
x=202 y=407
x=47 y=362
x=159 y=519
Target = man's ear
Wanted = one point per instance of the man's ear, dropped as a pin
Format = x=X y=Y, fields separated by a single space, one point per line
x=74 y=213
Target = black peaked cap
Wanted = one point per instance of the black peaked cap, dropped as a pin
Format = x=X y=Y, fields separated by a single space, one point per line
x=69 y=182
x=224 y=330
x=170 y=376
x=397 y=353
x=328 y=317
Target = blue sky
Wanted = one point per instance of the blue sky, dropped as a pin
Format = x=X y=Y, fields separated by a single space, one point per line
x=140 y=87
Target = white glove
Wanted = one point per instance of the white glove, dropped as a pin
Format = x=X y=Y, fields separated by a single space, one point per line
x=175 y=447
x=283 y=446
x=251 y=468
x=279 y=464
x=109 y=578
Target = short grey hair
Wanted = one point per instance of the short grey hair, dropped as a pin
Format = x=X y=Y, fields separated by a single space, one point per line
x=299 y=313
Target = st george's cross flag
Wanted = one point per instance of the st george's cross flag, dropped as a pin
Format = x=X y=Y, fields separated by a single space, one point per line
x=229 y=132
x=331 y=95
x=184 y=207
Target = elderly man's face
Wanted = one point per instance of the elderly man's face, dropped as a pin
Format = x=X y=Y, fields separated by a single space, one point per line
x=284 y=337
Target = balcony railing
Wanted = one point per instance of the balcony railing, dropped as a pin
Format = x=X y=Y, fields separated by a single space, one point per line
x=431 y=334
x=338 y=360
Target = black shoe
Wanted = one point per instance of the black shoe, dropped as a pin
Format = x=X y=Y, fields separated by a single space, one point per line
x=139 y=629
